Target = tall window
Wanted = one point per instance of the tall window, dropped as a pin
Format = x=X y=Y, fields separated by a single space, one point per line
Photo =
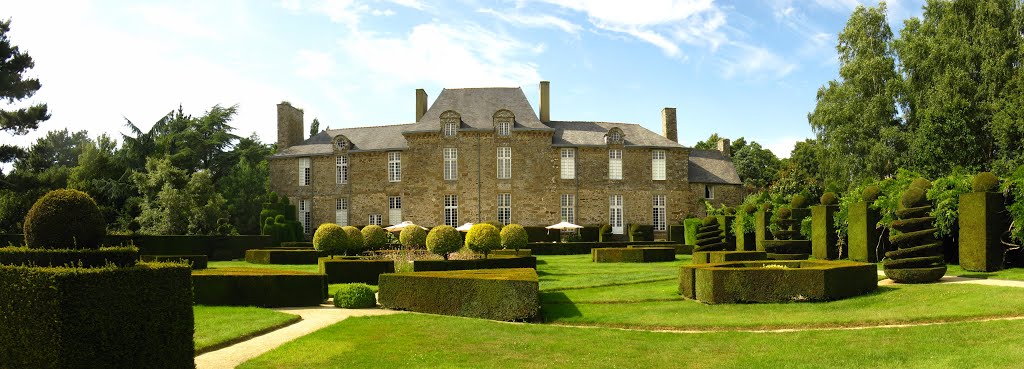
x=394 y=166
x=568 y=163
x=451 y=210
x=504 y=128
x=569 y=208
x=709 y=192
x=614 y=164
x=504 y=162
x=451 y=158
x=375 y=219
x=305 y=173
x=658 y=214
x=504 y=208
x=658 y=165
x=304 y=217
x=341 y=169
x=395 y=209
x=615 y=218
x=341 y=212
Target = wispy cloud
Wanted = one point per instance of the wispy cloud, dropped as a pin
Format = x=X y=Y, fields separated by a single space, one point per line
x=755 y=61
x=537 y=21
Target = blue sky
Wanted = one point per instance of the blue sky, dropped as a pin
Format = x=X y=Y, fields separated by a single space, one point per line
x=739 y=68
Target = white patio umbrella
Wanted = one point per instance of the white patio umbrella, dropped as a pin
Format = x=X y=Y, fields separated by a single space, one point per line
x=398 y=227
x=564 y=226
x=464 y=227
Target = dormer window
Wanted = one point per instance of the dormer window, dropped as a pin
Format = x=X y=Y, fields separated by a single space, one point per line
x=341 y=143
x=450 y=123
x=614 y=137
x=503 y=120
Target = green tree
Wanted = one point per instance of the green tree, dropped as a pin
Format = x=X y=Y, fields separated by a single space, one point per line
x=245 y=188
x=314 y=128
x=15 y=86
x=801 y=171
x=757 y=167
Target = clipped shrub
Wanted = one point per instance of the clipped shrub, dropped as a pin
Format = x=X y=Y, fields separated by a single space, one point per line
x=913 y=197
x=354 y=270
x=498 y=294
x=331 y=239
x=921 y=183
x=767 y=206
x=919 y=256
x=64 y=219
x=281 y=256
x=870 y=193
x=355 y=242
x=258 y=287
x=413 y=237
x=829 y=198
x=749 y=208
x=483 y=238
x=798 y=201
x=355 y=296
x=374 y=237
x=784 y=213
x=124 y=256
x=985 y=182
x=710 y=236
x=513 y=236
x=444 y=239
x=744 y=281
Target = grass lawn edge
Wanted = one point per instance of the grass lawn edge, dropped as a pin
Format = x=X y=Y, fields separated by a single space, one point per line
x=246 y=337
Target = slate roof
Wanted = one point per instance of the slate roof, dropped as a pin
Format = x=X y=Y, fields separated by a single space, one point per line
x=379 y=138
x=476 y=107
x=592 y=134
x=711 y=166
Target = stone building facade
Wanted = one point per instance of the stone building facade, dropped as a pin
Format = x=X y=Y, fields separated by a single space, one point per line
x=482 y=154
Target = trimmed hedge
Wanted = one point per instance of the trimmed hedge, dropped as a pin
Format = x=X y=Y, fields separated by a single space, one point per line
x=297 y=245
x=96 y=317
x=582 y=248
x=863 y=235
x=521 y=252
x=281 y=256
x=983 y=219
x=498 y=294
x=86 y=258
x=824 y=240
x=194 y=261
x=787 y=246
x=677 y=233
x=214 y=247
x=761 y=231
x=354 y=270
x=541 y=234
x=691 y=226
x=489 y=263
x=258 y=287
x=682 y=249
x=742 y=282
x=705 y=257
x=633 y=254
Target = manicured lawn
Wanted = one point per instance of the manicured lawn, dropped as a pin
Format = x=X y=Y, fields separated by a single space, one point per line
x=312 y=268
x=1016 y=274
x=424 y=341
x=577 y=271
x=217 y=325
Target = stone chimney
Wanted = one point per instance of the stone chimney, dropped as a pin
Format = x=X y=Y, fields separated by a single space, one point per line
x=545 y=101
x=723 y=146
x=289 y=126
x=421 y=103
x=668 y=124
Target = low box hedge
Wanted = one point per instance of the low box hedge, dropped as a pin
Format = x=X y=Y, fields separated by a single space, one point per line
x=354 y=270
x=677 y=233
x=683 y=249
x=772 y=256
x=776 y=281
x=633 y=254
x=297 y=245
x=258 y=287
x=195 y=261
x=214 y=247
x=498 y=294
x=541 y=234
x=106 y=317
x=504 y=262
x=503 y=252
x=281 y=256
x=705 y=257
x=582 y=248
x=119 y=256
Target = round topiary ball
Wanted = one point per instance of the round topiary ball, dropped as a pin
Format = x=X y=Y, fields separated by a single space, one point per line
x=921 y=183
x=355 y=239
x=829 y=198
x=483 y=238
x=913 y=198
x=985 y=182
x=870 y=193
x=749 y=209
x=443 y=240
x=798 y=201
x=413 y=236
x=355 y=296
x=709 y=220
x=331 y=239
x=513 y=236
x=784 y=213
x=374 y=237
x=64 y=219
x=767 y=206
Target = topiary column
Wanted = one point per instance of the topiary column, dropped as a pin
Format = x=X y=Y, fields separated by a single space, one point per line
x=761 y=223
x=918 y=258
x=710 y=237
x=862 y=230
x=983 y=219
x=745 y=241
x=824 y=241
x=725 y=222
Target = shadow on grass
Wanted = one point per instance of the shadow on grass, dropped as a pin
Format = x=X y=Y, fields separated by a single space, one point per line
x=542 y=262
x=556 y=305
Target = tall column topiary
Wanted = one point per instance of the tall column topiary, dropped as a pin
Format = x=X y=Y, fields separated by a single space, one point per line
x=762 y=223
x=824 y=241
x=710 y=236
x=725 y=221
x=983 y=219
x=918 y=258
x=443 y=240
x=64 y=219
x=863 y=232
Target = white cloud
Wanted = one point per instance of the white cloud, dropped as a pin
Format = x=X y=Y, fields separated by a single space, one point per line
x=538 y=21
x=292 y=5
x=780 y=146
x=313 y=64
x=176 y=20
x=415 y=4
x=755 y=61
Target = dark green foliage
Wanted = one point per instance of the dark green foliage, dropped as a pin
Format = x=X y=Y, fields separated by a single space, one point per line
x=676 y=233
x=921 y=183
x=705 y=257
x=498 y=294
x=913 y=229
x=729 y=211
x=583 y=248
x=16 y=85
x=710 y=236
x=985 y=182
x=604 y=233
x=64 y=219
x=829 y=198
x=641 y=232
x=1013 y=187
x=444 y=239
x=355 y=296
x=912 y=198
x=784 y=213
x=795 y=247
x=297 y=245
x=692 y=226
x=945 y=195
x=744 y=282
x=108 y=317
x=119 y=256
x=354 y=270
x=749 y=208
x=824 y=238
x=633 y=254
x=767 y=206
x=281 y=256
x=870 y=194
x=983 y=220
x=214 y=247
x=258 y=287
x=799 y=201
x=541 y=234
x=194 y=261
x=283 y=227
x=489 y=263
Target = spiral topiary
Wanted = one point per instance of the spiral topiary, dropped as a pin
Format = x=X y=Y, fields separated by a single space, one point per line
x=374 y=237
x=829 y=198
x=985 y=182
x=513 y=236
x=331 y=239
x=443 y=240
x=64 y=219
x=710 y=236
x=918 y=258
x=483 y=238
x=355 y=296
x=870 y=193
x=412 y=236
x=355 y=239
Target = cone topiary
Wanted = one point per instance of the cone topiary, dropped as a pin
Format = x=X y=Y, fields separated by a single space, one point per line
x=918 y=258
x=443 y=240
x=374 y=237
x=829 y=198
x=355 y=239
x=64 y=219
x=710 y=236
x=985 y=182
x=870 y=193
x=331 y=239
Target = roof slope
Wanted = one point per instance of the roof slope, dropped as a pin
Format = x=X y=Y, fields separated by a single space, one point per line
x=362 y=138
x=711 y=166
x=592 y=134
x=476 y=107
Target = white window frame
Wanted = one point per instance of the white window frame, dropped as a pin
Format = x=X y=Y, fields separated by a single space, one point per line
x=341 y=212
x=658 y=212
x=615 y=164
x=305 y=217
x=616 y=218
x=451 y=129
x=504 y=208
x=504 y=162
x=709 y=192
x=341 y=169
x=504 y=128
x=375 y=219
x=568 y=159
x=568 y=208
x=658 y=158
x=394 y=166
x=395 y=209
x=451 y=210
x=305 y=171
x=451 y=163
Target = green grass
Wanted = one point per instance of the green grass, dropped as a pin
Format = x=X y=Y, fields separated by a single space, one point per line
x=1016 y=274
x=312 y=268
x=219 y=325
x=424 y=341
x=577 y=271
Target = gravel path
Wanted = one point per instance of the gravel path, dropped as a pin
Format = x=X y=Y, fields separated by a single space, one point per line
x=313 y=318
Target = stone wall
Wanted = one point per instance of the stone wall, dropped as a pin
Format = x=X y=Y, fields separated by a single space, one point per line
x=730 y=195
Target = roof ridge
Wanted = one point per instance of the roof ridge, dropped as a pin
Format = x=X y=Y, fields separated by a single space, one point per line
x=594 y=121
x=377 y=126
x=483 y=88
